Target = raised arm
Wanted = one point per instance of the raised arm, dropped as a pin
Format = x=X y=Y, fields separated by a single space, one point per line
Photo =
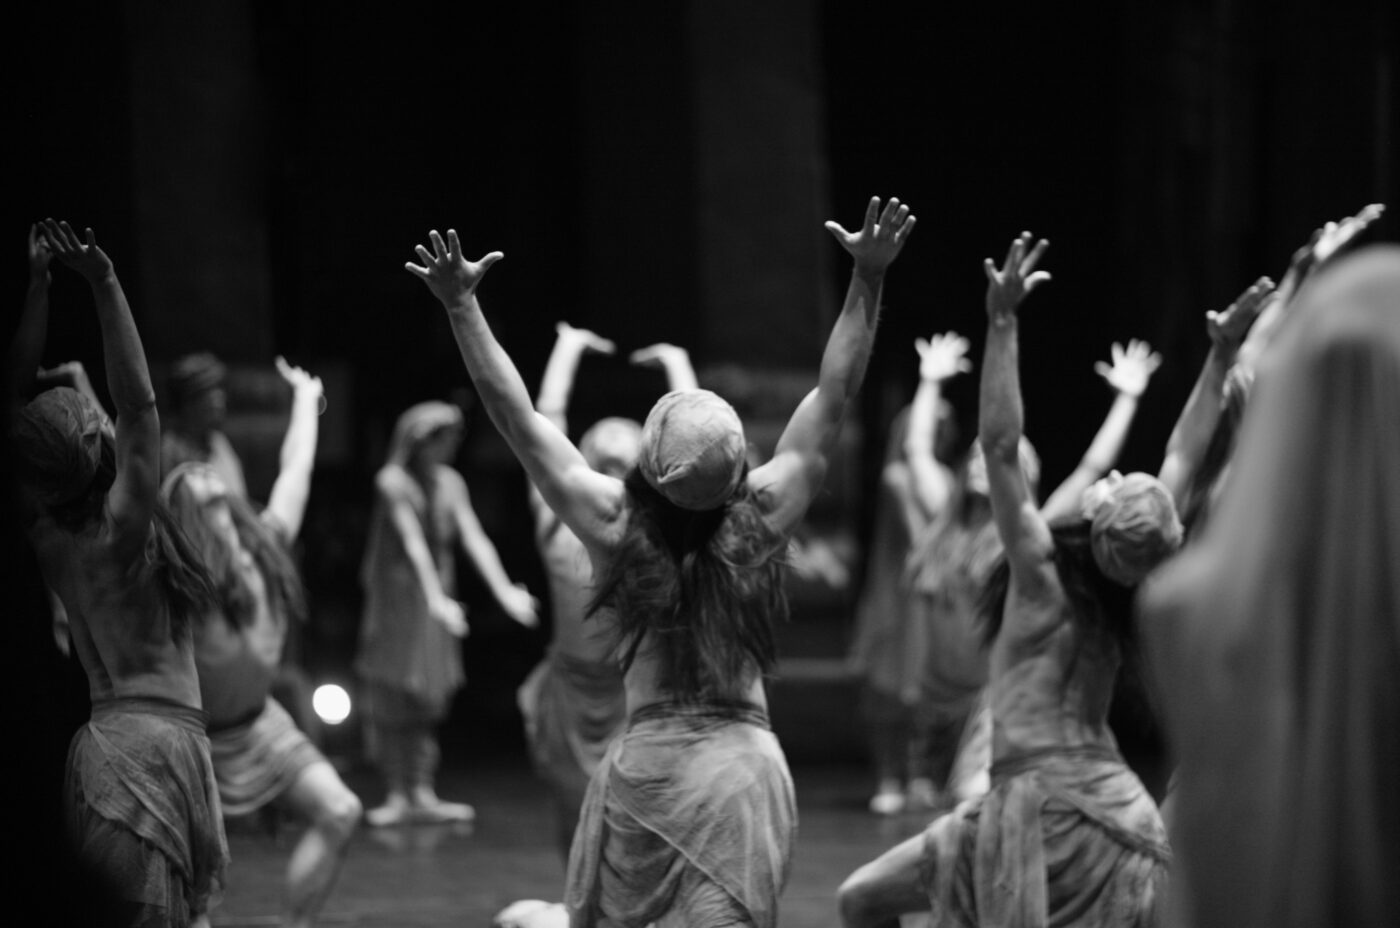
x=557 y=384
x=27 y=346
x=514 y=598
x=1191 y=436
x=590 y=503
x=552 y=402
x=1128 y=375
x=394 y=488
x=132 y=497
x=293 y=485
x=941 y=358
x=673 y=360
x=1324 y=244
x=787 y=483
x=1022 y=528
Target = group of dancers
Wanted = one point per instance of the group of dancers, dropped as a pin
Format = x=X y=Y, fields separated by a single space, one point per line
x=1274 y=639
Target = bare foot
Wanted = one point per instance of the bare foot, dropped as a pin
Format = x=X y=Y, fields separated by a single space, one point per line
x=395 y=811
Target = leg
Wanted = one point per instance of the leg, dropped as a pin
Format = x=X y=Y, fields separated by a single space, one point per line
x=888 y=722
x=886 y=888
x=388 y=751
x=423 y=760
x=320 y=797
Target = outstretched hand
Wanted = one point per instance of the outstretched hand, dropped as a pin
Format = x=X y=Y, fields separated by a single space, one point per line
x=298 y=379
x=521 y=606
x=942 y=357
x=881 y=236
x=39 y=253
x=450 y=613
x=451 y=277
x=1331 y=238
x=583 y=340
x=658 y=355
x=1007 y=287
x=82 y=255
x=1228 y=327
x=1132 y=367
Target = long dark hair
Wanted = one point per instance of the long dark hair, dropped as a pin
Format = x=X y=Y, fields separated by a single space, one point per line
x=286 y=595
x=705 y=587
x=1101 y=609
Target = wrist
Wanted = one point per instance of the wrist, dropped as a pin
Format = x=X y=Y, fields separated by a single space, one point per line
x=873 y=276
x=39 y=276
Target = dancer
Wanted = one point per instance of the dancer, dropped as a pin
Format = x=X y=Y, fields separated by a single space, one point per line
x=880 y=650
x=410 y=659
x=1276 y=637
x=199 y=407
x=141 y=798
x=954 y=556
x=689 y=819
x=259 y=754
x=1067 y=832
x=574 y=703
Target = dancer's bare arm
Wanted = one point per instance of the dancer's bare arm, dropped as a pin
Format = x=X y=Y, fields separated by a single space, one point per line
x=1022 y=528
x=590 y=503
x=1324 y=244
x=395 y=486
x=132 y=497
x=27 y=346
x=1191 y=435
x=556 y=387
x=941 y=357
x=292 y=488
x=671 y=359
x=1128 y=375
x=787 y=483
x=476 y=544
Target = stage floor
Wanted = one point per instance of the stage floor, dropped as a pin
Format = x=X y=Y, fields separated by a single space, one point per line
x=460 y=876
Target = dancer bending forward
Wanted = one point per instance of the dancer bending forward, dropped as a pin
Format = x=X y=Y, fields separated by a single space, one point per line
x=1067 y=834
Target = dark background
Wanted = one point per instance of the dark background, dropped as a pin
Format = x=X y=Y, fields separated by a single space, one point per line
x=259 y=172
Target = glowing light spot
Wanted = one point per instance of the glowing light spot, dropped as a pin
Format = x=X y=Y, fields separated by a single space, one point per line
x=331 y=703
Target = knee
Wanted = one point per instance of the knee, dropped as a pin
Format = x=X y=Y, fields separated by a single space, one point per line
x=341 y=815
x=853 y=900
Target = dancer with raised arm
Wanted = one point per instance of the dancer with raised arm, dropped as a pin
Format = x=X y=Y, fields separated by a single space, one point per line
x=410 y=659
x=1275 y=638
x=199 y=406
x=1067 y=833
x=141 y=797
x=689 y=819
x=574 y=703
x=953 y=558
x=259 y=755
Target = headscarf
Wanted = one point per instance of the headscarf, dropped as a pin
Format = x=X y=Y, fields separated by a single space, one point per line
x=417 y=423
x=1135 y=526
x=194 y=375
x=693 y=449
x=58 y=438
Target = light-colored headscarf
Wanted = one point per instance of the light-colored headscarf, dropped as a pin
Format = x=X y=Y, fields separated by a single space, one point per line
x=1134 y=526
x=693 y=449
x=417 y=423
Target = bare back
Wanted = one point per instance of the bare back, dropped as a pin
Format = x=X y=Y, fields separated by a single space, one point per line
x=120 y=625
x=1048 y=689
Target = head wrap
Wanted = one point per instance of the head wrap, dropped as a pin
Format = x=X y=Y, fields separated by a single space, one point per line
x=611 y=440
x=58 y=439
x=693 y=449
x=417 y=423
x=194 y=375
x=1135 y=526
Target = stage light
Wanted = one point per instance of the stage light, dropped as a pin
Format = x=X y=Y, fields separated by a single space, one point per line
x=331 y=703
